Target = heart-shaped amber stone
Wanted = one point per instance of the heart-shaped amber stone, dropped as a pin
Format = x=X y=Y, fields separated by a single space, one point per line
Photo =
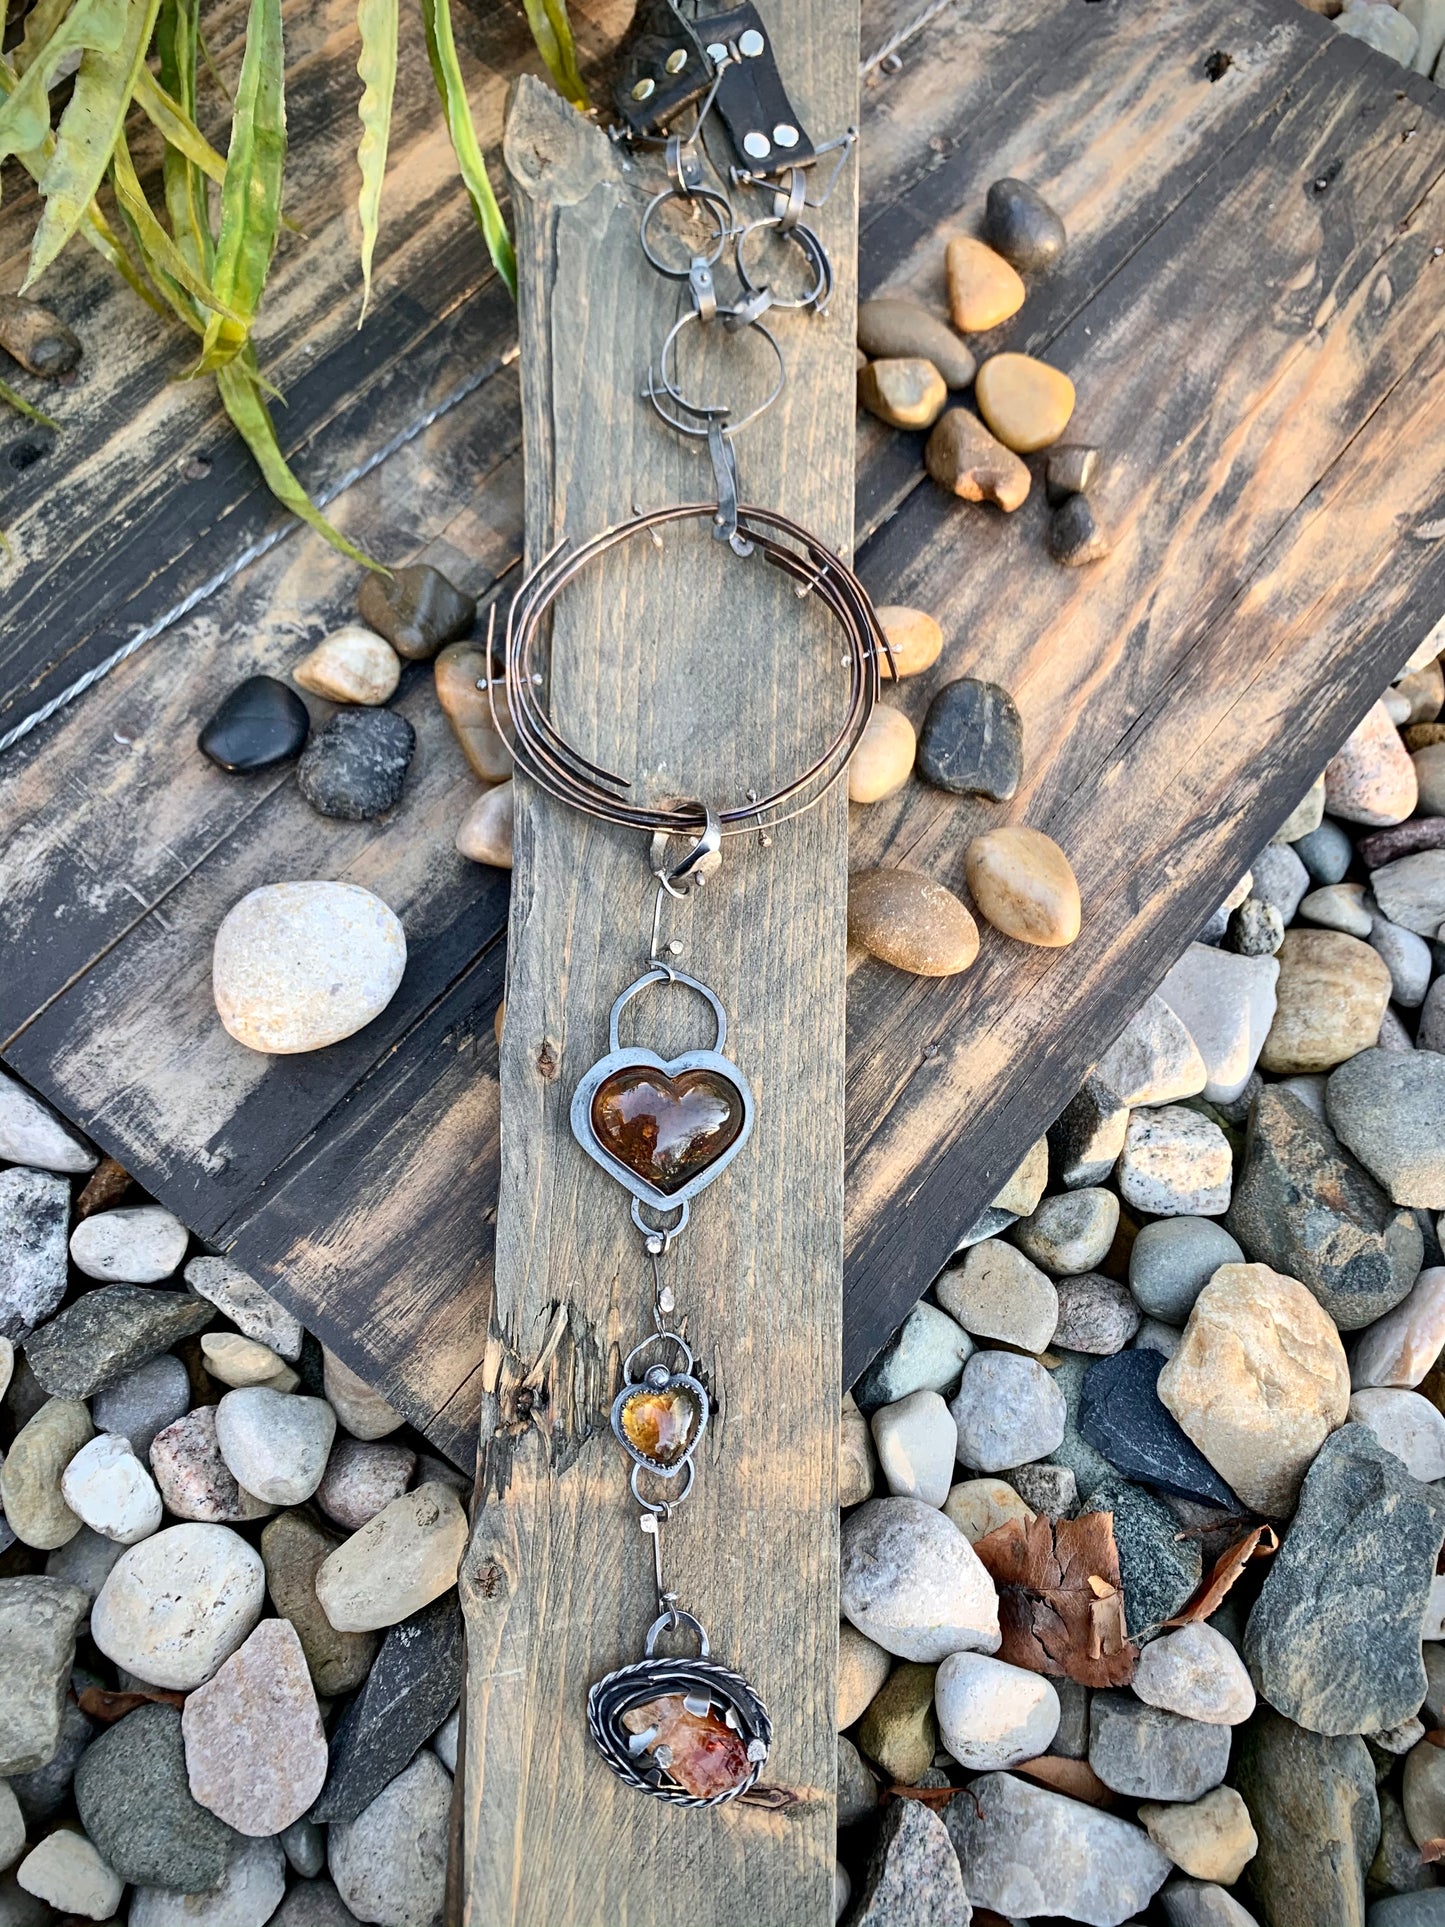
x=661 y=1424
x=666 y=1129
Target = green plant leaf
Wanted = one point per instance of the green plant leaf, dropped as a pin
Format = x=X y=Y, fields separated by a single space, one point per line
x=187 y=204
x=40 y=23
x=251 y=197
x=243 y=403
x=8 y=394
x=158 y=249
x=176 y=124
x=376 y=67
x=95 y=25
x=441 y=49
x=88 y=131
x=552 y=31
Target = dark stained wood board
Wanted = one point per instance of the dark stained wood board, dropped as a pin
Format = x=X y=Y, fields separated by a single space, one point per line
x=1106 y=106
x=557 y=1583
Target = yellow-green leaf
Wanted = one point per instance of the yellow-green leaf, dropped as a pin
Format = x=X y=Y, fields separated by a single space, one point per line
x=40 y=23
x=552 y=31
x=159 y=250
x=88 y=131
x=243 y=403
x=177 y=34
x=98 y=26
x=251 y=197
x=8 y=394
x=441 y=49
x=376 y=68
x=177 y=126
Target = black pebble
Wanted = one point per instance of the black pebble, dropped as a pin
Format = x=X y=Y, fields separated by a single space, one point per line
x=1021 y=225
x=355 y=767
x=972 y=740
x=260 y=723
x=1072 y=468
x=1122 y=1415
x=417 y=609
x=1074 y=533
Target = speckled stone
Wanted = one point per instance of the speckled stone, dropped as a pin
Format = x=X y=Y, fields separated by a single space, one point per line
x=34 y=1215
x=39 y=1619
x=104 y=1334
x=913 y=1877
x=913 y=1584
x=963 y=457
x=458 y=671
x=179 y=1603
x=1070 y=1233
x=889 y=327
x=351 y=665
x=354 y=768
x=194 y=1479
x=1389 y=1109
x=1175 y=1163
x=390 y=1863
x=1312 y=1801
x=971 y=742
x=397 y=1563
x=256 y=1754
x=30 y=1481
x=136 y=1245
x=1096 y=1314
x=301 y=965
x=31 y=1133
x=361 y=1478
x=416 y=608
x=238 y=1297
x=911 y=922
x=294 y=1547
x=136 y=1805
x=1331 y=995
x=1158 y=1569
x=1008 y=1411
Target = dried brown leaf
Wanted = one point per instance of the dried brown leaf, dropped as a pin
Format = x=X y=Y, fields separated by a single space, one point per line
x=1258 y=1543
x=1073 y=1777
x=100 y=1704
x=1431 y=1851
x=1061 y=1610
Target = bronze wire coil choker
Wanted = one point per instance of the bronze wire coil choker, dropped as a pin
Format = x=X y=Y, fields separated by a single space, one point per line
x=688 y=1731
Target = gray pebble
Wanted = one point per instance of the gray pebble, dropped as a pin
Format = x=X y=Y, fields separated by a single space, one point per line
x=1173 y=1260
x=34 y=1216
x=134 y=1799
x=313 y=1903
x=45 y=1790
x=1255 y=929
x=39 y=1618
x=390 y=1863
x=1325 y=852
x=1096 y=1314
x=1008 y=1411
x=1149 y=1754
x=1407 y=958
x=144 y=1402
x=354 y=768
x=1070 y=1233
x=1019 y=223
x=927 y=1355
x=1280 y=878
x=304 y=1845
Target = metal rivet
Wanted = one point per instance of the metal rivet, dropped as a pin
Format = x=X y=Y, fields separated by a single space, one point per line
x=755 y=146
x=785 y=136
x=677 y=60
x=644 y=89
x=716 y=51
x=751 y=43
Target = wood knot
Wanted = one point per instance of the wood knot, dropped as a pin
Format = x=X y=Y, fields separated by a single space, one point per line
x=549 y=1061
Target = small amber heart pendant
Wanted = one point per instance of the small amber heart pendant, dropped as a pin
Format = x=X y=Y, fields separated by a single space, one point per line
x=663 y=1127
x=661 y=1418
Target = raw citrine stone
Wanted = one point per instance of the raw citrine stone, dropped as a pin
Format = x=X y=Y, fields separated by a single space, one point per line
x=666 y=1129
x=661 y=1424
x=703 y=1754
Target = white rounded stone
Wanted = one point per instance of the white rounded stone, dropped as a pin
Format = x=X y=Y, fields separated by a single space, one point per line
x=913 y=1584
x=68 y=1874
x=106 y=1485
x=274 y=1445
x=485 y=832
x=1175 y=1164
x=1008 y=1411
x=12 y=1820
x=397 y=1563
x=992 y=1715
x=179 y=1603
x=917 y=1442
x=31 y=1133
x=253 y=1311
x=235 y=1360
x=363 y=1413
x=390 y=1862
x=1400 y=1348
x=1196 y=1672
x=297 y=966
x=135 y=1245
x=1407 y=1425
x=351 y=665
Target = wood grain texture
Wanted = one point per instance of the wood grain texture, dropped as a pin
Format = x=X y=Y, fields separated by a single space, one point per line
x=688 y=667
x=1239 y=337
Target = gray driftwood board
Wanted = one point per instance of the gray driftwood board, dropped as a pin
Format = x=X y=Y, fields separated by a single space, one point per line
x=691 y=669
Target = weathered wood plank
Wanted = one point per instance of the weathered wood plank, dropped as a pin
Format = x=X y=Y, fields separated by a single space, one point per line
x=688 y=668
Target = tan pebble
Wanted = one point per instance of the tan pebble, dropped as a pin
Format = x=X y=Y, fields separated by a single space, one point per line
x=1430 y=777
x=862 y=1669
x=857 y=1461
x=892 y=327
x=983 y=289
x=1372 y=779
x=862 y=361
x=883 y=758
x=1422 y=735
x=911 y=922
x=498 y=1020
x=239 y=1361
x=457 y=670
x=906 y=393
x=1022 y=882
x=963 y=457
x=1330 y=997
x=1026 y=1187
x=914 y=637
x=351 y=665
x=1026 y=403
x=980 y=1506
x=485 y=835
x=1424 y=691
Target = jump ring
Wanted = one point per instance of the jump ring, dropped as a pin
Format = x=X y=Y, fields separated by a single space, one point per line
x=707 y=410
x=721 y=210
x=813 y=252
